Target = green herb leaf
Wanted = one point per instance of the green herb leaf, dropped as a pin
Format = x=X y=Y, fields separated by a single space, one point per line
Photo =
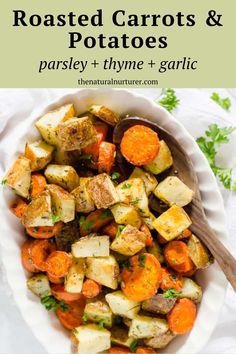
x=88 y=225
x=136 y=201
x=169 y=99
x=115 y=176
x=133 y=346
x=120 y=228
x=209 y=144
x=55 y=218
x=101 y=323
x=225 y=103
x=171 y=294
x=85 y=317
x=141 y=260
x=126 y=264
x=81 y=219
x=4 y=181
x=126 y=185
x=52 y=304
x=106 y=213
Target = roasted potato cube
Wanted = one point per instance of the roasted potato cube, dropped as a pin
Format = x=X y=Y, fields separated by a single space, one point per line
x=104 y=270
x=39 y=211
x=48 y=123
x=156 y=250
x=150 y=181
x=162 y=161
x=63 y=175
x=102 y=191
x=105 y=114
x=160 y=341
x=158 y=304
x=172 y=222
x=39 y=285
x=75 y=277
x=19 y=176
x=39 y=153
x=133 y=192
x=191 y=290
x=63 y=203
x=149 y=220
x=173 y=191
x=90 y=339
x=119 y=335
x=76 y=133
x=198 y=252
x=91 y=246
x=97 y=311
x=68 y=234
x=66 y=157
x=121 y=305
x=83 y=200
x=129 y=242
x=147 y=327
x=126 y=214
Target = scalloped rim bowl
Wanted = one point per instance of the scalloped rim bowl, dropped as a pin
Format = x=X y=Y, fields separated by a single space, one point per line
x=45 y=326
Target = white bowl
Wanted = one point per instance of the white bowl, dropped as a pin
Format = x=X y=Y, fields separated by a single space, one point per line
x=45 y=326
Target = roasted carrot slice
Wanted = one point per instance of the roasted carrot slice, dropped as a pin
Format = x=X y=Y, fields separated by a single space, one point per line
x=118 y=350
x=73 y=316
x=145 y=350
x=181 y=318
x=55 y=280
x=171 y=279
x=40 y=251
x=106 y=157
x=26 y=257
x=38 y=184
x=149 y=240
x=58 y=263
x=141 y=280
x=18 y=208
x=93 y=149
x=59 y=292
x=91 y=288
x=176 y=255
x=140 y=145
x=185 y=234
x=94 y=221
x=44 y=231
x=110 y=229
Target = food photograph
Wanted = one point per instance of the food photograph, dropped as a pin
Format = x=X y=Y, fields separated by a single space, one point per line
x=118 y=221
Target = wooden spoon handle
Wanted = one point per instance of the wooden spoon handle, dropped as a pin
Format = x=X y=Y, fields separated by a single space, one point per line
x=223 y=257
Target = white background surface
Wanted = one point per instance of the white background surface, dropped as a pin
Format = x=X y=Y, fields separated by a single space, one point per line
x=196 y=112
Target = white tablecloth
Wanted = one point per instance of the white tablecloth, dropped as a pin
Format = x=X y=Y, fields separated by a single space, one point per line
x=196 y=112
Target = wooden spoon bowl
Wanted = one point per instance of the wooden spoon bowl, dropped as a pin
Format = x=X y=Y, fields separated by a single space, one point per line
x=183 y=168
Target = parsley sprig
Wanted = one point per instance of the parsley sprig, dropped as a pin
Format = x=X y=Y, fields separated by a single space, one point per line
x=4 y=181
x=209 y=144
x=225 y=103
x=171 y=294
x=52 y=304
x=168 y=99
x=133 y=346
x=55 y=218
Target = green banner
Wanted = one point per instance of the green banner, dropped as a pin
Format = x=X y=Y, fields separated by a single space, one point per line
x=77 y=43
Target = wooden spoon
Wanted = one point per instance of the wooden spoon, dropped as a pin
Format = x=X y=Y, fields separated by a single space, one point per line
x=183 y=168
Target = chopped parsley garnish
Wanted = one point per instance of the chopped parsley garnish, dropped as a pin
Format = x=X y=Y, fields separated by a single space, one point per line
x=171 y=294
x=133 y=346
x=106 y=213
x=126 y=185
x=52 y=304
x=126 y=264
x=136 y=201
x=120 y=228
x=115 y=176
x=141 y=260
x=88 y=225
x=101 y=323
x=168 y=99
x=225 y=103
x=81 y=219
x=85 y=317
x=55 y=218
x=209 y=144
x=4 y=181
